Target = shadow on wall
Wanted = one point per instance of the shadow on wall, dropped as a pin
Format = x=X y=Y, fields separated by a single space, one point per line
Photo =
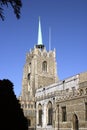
x=11 y=114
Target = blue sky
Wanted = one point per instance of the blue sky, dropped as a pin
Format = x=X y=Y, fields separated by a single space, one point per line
x=68 y=22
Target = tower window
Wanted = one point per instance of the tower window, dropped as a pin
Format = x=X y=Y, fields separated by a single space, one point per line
x=44 y=66
x=64 y=114
x=28 y=76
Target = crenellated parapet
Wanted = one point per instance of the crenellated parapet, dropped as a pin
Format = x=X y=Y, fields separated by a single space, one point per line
x=40 y=53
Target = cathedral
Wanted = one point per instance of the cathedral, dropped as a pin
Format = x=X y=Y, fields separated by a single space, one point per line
x=48 y=102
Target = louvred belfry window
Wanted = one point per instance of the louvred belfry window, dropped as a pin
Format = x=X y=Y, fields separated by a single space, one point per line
x=44 y=66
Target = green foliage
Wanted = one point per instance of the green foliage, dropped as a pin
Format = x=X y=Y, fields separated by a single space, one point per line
x=15 y=4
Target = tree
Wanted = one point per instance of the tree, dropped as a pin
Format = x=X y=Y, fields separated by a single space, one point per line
x=11 y=113
x=15 y=4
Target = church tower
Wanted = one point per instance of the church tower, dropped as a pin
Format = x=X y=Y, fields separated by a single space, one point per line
x=40 y=68
x=39 y=71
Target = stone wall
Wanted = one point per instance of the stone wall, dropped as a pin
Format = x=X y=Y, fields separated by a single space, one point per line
x=70 y=93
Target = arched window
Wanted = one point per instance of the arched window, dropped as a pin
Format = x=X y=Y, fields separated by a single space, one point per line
x=44 y=66
x=64 y=116
x=50 y=113
x=40 y=115
x=28 y=76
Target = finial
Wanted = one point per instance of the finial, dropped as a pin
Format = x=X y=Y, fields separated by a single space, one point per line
x=39 y=34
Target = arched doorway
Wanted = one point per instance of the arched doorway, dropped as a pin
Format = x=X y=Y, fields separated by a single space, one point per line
x=29 y=122
x=75 y=122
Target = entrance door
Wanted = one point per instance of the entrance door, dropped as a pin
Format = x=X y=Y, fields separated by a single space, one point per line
x=29 y=122
x=75 y=122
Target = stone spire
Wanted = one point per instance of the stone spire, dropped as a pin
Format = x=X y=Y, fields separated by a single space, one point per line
x=39 y=34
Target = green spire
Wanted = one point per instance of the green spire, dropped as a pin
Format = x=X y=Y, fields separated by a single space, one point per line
x=39 y=34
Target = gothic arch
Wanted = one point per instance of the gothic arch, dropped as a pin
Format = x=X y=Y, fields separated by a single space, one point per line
x=40 y=114
x=50 y=112
x=75 y=122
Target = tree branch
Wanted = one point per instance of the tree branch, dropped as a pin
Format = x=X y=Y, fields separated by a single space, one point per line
x=15 y=4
